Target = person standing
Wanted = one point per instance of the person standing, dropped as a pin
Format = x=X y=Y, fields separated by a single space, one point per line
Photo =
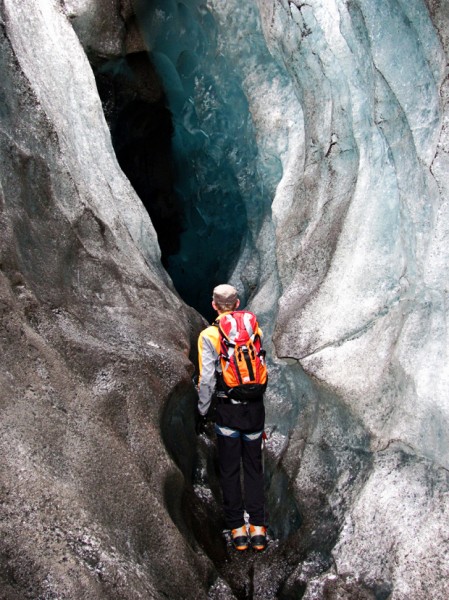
x=239 y=425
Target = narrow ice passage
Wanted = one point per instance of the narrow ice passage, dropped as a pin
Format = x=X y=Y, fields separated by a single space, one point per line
x=206 y=176
x=308 y=176
x=334 y=148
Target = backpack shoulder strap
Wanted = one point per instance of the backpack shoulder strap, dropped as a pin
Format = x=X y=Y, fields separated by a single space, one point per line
x=237 y=326
x=226 y=327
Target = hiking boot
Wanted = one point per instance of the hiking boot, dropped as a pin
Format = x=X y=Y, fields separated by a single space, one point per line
x=258 y=535
x=240 y=538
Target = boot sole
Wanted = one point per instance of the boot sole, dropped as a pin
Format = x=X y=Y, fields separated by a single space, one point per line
x=240 y=543
x=259 y=544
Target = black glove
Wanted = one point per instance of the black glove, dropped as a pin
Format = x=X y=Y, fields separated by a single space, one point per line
x=200 y=425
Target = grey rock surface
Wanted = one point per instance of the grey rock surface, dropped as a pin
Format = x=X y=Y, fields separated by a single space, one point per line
x=105 y=28
x=94 y=342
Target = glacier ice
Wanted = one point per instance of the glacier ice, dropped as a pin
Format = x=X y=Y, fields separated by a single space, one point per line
x=82 y=293
x=226 y=170
x=360 y=250
x=319 y=155
x=348 y=254
x=353 y=251
x=333 y=145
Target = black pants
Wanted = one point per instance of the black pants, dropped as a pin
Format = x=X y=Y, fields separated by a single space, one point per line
x=236 y=450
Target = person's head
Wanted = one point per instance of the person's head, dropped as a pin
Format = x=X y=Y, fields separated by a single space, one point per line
x=225 y=298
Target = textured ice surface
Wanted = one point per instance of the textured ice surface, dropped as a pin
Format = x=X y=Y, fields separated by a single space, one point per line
x=335 y=149
x=83 y=134
x=349 y=259
x=361 y=249
x=355 y=238
x=220 y=79
x=81 y=295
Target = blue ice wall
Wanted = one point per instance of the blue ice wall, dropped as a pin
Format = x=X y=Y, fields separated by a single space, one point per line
x=214 y=145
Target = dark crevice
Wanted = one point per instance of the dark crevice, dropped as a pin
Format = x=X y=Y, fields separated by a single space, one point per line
x=194 y=205
x=189 y=179
x=183 y=134
x=141 y=129
x=303 y=527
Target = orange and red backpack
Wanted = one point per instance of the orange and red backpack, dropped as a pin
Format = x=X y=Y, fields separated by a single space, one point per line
x=244 y=371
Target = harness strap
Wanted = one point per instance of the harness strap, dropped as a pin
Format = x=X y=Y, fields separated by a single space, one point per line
x=249 y=366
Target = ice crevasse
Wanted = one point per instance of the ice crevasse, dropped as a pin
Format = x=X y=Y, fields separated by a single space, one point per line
x=344 y=256
x=326 y=124
x=317 y=130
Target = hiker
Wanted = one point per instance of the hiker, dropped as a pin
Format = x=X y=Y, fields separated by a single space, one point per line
x=239 y=412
